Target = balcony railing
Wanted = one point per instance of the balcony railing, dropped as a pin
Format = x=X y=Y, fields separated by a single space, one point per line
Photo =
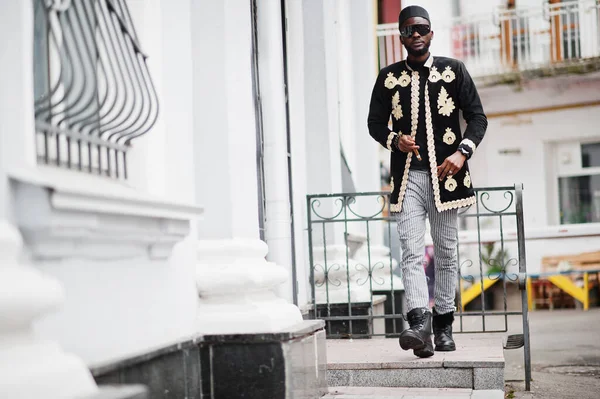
x=514 y=40
x=93 y=91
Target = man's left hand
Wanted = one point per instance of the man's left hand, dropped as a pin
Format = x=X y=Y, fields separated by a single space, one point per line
x=451 y=165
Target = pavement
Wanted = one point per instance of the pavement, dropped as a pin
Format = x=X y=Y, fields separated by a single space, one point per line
x=478 y=363
x=565 y=355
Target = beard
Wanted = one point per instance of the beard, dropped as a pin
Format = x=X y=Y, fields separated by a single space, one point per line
x=418 y=53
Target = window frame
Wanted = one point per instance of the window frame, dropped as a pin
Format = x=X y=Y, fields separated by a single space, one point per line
x=577 y=171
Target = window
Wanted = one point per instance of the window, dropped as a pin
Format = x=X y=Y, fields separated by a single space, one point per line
x=93 y=91
x=565 y=29
x=579 y=199
x=590 y=155
x=579 y=183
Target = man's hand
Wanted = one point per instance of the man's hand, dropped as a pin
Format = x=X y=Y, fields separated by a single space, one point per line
x=451 y=165
x=406 y=143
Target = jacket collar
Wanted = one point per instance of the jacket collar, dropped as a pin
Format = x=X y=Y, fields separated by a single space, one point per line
x=428 y=63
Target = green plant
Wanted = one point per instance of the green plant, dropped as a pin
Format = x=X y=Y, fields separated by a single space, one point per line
x=494 y=260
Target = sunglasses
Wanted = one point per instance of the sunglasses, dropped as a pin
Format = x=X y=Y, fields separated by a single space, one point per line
x=408 y=31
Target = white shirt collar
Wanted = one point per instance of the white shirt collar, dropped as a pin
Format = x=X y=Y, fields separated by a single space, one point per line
x=428 y=63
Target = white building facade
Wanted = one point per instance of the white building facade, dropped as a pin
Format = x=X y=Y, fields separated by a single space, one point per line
x=142 y=207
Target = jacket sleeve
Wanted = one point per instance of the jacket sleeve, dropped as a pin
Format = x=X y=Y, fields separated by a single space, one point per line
x=470 y=104
x=379 y=117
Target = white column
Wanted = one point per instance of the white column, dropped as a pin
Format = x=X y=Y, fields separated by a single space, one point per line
x=30 y=367
x=364 y=72
x=331 y=71
x=321 y=108
x=17 y=131
x=274 y=121
x=346 y=82
x=365 y=168
x=162 y=160
x=323 y=161
x=296 y=97
x=147 y=163
x=177 y=95
x=224 y=119
x=234 y=280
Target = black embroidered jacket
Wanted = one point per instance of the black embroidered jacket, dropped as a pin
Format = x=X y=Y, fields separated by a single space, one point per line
x=449 y=88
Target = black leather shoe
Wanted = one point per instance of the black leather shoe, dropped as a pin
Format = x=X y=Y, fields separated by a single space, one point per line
x=442 y=331
x=418 y=336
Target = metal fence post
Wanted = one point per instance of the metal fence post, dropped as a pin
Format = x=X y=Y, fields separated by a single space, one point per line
x=522 y=284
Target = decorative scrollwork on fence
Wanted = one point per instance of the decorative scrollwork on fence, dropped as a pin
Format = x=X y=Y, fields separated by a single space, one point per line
x=316 y=203
x=485 y=196
x=336 y=267
x=381 y=199
x=370 y=275
x=468 y=263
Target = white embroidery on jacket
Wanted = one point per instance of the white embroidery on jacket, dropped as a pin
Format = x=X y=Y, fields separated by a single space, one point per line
x=449 y=137
x=396 y=107
x=414 y=119
x=445 y=103
x=448 y=75
x=467 y=180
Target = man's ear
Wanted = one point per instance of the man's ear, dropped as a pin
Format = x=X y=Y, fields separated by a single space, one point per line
x=431 y=35
x=402 y=39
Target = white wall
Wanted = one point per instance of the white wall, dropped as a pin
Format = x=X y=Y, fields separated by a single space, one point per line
x=129 y=304
x=534 y=135
x=121 y=308
x=531 y=136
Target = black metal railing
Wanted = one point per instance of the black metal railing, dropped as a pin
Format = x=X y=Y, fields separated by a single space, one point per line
x=355 y=276
x=93 y=90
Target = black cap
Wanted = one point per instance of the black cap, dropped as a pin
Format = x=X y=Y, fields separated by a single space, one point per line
x=411 y=12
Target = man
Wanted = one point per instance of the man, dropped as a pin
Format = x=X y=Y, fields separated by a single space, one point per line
x=429 y=174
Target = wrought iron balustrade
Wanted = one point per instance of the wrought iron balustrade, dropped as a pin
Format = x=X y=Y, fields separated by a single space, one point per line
x=93 y=90
x=355 y=273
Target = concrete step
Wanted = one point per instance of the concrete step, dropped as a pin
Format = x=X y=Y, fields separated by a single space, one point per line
x=477 y=364
x=411 y=393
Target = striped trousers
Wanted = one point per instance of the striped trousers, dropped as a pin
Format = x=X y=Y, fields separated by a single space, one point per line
x=418 y=204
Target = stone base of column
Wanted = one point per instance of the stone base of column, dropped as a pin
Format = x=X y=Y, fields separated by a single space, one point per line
x=290 y=364
x=249 y=343
x=31 y=367
x=236 y=286
x=120 y=392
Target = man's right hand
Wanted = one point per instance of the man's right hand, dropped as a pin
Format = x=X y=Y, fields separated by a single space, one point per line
x=406 y=143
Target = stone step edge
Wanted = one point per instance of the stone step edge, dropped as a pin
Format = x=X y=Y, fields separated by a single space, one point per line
x=469 y=378
x=399 y=392
x=460 y=364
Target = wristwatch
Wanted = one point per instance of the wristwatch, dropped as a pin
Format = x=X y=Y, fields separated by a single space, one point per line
x=464 y=151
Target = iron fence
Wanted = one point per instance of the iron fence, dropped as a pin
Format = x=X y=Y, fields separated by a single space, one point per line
x=93 y=90
x=356 y=284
